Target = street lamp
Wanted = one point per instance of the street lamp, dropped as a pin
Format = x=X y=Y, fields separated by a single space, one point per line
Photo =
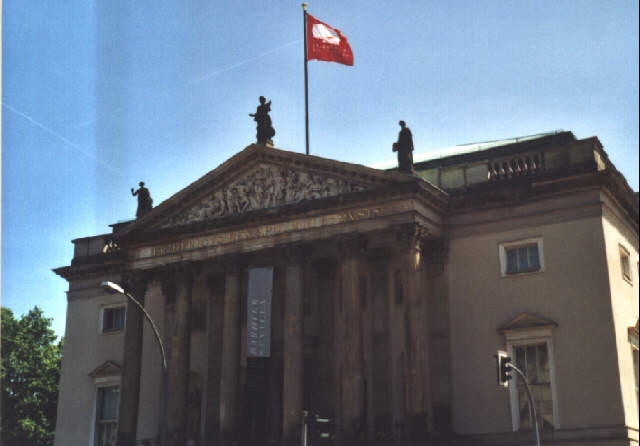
x=115 y=288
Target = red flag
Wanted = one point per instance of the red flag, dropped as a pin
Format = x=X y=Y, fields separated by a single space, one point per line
x=327 y=43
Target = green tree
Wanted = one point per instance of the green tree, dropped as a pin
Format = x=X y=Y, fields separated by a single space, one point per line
x=29 y=373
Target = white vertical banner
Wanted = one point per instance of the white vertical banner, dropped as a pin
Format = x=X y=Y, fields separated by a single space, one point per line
x=259 y=312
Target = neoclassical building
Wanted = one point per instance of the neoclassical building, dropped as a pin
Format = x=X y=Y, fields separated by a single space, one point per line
x=281 y=282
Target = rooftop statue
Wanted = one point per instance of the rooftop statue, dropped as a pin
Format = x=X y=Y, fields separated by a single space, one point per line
x=145 y=203
x=264 y=131
x=404 y=147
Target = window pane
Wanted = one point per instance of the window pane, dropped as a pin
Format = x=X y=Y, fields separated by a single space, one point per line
x=107 y=434
x=543 y=364
x=113 y=318
x=534 y=258
x=118 y=320
x=533 y=360
x=520 y=363
x=531 y=370
x=624 y=261
x=523 y=407
x=522 y=258
x=107 y=319
x=512 y=261
x=109 y=397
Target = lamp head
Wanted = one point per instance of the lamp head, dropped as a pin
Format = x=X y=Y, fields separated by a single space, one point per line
x=112 y=287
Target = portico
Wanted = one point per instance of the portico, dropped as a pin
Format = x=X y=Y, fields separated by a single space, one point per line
x=344 y=266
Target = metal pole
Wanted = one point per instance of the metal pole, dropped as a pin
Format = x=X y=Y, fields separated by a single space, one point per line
x=303 y=432
x=532 y=406
x=306 y=78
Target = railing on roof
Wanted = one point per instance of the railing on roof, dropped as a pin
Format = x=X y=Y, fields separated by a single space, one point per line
x=515 y=167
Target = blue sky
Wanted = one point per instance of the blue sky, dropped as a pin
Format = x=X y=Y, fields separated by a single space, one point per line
x=97 y=96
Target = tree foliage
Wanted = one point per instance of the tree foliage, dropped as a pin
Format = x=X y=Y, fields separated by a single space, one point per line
x=29 y=373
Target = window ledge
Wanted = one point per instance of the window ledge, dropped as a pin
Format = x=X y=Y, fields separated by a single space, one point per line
x=111 y=332
x=522 y=273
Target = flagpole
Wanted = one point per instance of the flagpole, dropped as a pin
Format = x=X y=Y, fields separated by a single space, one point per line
x=306 y=77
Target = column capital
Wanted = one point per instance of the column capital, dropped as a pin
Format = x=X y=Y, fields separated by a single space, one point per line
x=411 y=235
x=135 y=282
x=186 y=269
x=233 y=263
x=215 y=283
x=295 y=253
x=352 y=245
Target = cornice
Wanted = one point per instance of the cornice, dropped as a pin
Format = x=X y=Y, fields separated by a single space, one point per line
x=414 y=189
x=97 y=264
x=520 y=190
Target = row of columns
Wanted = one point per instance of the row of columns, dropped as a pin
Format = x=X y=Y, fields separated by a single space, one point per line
x=349 y=374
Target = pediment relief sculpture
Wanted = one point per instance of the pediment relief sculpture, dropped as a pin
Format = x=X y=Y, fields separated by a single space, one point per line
x=264 y=187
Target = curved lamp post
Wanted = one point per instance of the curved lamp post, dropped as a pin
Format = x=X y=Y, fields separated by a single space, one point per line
x=115 y=288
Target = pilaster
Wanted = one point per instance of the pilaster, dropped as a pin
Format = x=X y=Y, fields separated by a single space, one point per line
x=410 y=237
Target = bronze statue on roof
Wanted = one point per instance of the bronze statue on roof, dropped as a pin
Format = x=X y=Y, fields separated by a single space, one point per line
x=264 y=128
x=404 y=147
x=145 y=203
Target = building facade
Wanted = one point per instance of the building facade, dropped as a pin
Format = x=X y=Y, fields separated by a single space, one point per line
x=281 y=283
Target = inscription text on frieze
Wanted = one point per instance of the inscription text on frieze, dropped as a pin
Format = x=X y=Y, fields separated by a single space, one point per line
x=266 y=230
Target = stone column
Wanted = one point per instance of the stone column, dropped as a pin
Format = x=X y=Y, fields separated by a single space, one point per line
x=418 y=392
x=179 y=365
x=229 y=381
x=366 y=304
x=395 y=318
x=214 y=357
x=293 y=370
x=135 y=284
x=350 y=348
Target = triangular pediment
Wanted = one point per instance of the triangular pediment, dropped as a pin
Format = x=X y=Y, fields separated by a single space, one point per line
x=265 y=185
x=259 y=178
x=527 y=321
x=107 y=368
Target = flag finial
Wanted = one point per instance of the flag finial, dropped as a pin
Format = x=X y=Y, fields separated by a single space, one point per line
x=304 y=6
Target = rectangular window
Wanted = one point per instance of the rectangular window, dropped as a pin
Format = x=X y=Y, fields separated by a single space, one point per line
x=524 y=256
x=625 y=266
x=523 y=259
x=533 y=360
x=107 y=415
x=113 y=318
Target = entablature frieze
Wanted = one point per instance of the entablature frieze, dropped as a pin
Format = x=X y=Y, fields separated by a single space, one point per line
x=271 y=235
